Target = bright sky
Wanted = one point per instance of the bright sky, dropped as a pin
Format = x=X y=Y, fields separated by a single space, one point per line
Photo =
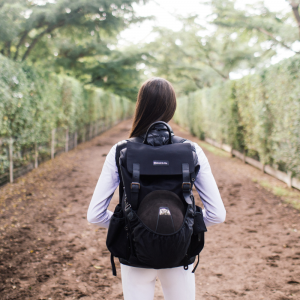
x=165 y=12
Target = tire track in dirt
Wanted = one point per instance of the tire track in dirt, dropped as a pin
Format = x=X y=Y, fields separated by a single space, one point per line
x=48 y=249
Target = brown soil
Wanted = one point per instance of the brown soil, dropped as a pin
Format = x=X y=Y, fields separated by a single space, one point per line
x=49 y=251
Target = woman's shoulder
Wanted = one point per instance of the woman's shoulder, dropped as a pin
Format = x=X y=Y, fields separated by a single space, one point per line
x=195 y=146
x=120 y=144
x=200 y=153
x=116 y=148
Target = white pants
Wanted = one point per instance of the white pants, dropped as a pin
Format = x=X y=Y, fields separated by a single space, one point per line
x=139 y=283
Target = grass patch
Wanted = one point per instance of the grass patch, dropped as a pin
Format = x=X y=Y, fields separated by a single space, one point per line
x=214 y=149
x=289 y=196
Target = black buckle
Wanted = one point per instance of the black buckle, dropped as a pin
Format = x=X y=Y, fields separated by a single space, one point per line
x=135 y=184
x=185 y=184
x=127 y=206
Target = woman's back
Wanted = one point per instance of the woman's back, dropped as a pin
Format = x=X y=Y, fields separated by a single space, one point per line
x=156 y=102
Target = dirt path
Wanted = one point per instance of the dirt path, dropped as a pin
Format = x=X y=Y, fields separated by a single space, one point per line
x=49 y=251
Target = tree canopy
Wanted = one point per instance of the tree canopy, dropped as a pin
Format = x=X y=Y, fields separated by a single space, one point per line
x=79 y=38
x=235 y=39
x=76 y=37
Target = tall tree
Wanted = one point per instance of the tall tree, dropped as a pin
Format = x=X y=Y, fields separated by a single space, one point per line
x=237 y=39
x=194 y=58
x=71 y=35
x=295 y=8
x=275 y=29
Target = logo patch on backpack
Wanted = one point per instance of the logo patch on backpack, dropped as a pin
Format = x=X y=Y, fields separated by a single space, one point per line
x=160 y=163
x=164 y=211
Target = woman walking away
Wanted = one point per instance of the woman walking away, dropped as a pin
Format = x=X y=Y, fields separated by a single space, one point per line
x=156 y=230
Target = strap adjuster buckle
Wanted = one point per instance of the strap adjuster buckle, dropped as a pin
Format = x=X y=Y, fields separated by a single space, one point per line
x=133 y=184
x=186 y=186
x=127 y=206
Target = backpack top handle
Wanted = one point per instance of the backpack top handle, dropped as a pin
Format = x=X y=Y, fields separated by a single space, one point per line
x=155 y=123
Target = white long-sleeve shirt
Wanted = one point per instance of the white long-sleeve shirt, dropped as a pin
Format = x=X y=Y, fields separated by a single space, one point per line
x=205 y=184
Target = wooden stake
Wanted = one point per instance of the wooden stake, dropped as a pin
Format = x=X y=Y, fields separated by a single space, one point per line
x=11 y=165
x=52 y=143
x=75 y=139
x=67 y=140
x=36 y=156
x=84 y=133
x=90 y=131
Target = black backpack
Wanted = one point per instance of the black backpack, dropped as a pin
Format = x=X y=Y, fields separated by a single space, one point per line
x=156 y=223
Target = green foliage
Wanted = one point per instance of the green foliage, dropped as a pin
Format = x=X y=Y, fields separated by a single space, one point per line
x=32 y=103
x=73 y=37
x=236 y=39
x=193 y=59
x=257 y=24
x=259 y=113
x=15 y=101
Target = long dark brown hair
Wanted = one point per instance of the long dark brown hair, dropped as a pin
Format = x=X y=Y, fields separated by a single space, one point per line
x=156 y=101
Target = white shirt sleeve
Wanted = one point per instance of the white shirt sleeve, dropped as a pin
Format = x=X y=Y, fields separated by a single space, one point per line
x=108 y=182
x=214 y=211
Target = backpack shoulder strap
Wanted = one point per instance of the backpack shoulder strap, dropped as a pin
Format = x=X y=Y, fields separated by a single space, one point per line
x=178 y=139
x=120 y=146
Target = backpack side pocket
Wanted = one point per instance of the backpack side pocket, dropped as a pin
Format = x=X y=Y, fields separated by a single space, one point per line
x=199 y=225
x=197 y=240
x=117 y=240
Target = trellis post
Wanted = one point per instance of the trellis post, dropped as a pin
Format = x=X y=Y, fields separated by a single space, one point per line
x=97 y=127
x=90 y=131
x=36 y=156
x=52 y=143
x=84 y=133
x=11 y=165
x=67 y=140
x=75 y=139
